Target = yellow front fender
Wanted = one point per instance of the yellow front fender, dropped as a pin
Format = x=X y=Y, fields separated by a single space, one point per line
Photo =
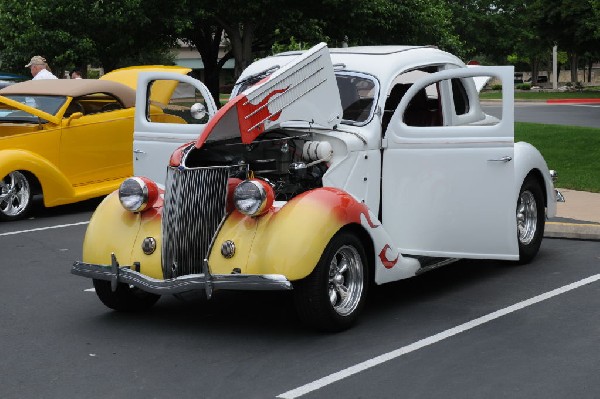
x=287 y=240
x=113 y=229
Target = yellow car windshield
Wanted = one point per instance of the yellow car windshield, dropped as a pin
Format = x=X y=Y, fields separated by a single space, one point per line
x=48 y=104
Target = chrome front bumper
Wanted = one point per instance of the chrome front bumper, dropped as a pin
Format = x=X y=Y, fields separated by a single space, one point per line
x=204 y=281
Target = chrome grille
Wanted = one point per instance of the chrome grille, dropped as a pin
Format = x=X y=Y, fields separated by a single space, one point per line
x=194 y=206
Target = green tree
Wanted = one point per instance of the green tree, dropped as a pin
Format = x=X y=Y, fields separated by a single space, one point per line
x=111 y=33
x=572 y=25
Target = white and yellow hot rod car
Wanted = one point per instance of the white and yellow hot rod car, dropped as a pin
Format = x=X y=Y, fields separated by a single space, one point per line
x=327 y=170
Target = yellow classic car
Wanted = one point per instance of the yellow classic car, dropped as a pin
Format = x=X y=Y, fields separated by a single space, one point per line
x=72 y=140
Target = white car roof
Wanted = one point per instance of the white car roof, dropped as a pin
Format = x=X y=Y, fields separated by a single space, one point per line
x=383 y=62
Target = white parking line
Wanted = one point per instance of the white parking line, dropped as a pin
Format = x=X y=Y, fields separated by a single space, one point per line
x=376 y=361
x=59 y=226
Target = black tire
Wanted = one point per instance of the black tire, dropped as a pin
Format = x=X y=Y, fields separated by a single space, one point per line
x=125 y=298
x=530 y=215
x=16 y=198
x=343 y=267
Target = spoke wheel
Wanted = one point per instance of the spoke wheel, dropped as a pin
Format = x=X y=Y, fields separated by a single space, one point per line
x=15 y=196
x=530 y=216
x=526 y=217
x=345 y=280
x=333 y=295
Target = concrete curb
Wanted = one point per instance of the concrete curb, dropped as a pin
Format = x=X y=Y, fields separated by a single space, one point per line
x=576 y=231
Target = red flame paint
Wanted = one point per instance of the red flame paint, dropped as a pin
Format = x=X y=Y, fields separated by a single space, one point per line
x=386 y=262
x=252 y=125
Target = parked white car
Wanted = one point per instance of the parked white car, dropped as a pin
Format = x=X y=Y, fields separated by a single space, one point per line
x=328 y=169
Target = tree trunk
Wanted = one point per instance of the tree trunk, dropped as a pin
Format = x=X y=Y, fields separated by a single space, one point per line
x=207 y=41
x=573 y=57
x=241 y=37
x=535 y=70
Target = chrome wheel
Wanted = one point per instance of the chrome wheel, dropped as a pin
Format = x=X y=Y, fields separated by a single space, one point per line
x=15 y=195
x=345 y=280
x=527 y=217
x=332 y=297
x=530 y=218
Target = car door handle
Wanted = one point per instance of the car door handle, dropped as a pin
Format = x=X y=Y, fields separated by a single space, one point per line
x=503 y=159
x=136 y=151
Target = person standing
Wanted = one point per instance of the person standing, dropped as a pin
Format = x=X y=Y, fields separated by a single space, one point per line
x=75 y=75
x=39 y=68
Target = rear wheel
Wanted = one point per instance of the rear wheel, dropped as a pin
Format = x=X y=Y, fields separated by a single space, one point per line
x=15 y=196
x=125 y=298
x=530 y=219
x=333 y=295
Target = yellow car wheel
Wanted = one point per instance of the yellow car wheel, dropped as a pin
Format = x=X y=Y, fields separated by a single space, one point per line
x=15 y=196
x=125 y=298
x=333 y=295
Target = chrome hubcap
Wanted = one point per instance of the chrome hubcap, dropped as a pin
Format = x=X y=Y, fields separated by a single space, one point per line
x=14 y=194
x=526 y=217
x=345 y=280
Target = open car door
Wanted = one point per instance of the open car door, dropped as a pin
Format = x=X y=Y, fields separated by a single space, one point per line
x=161 y=126
x=448 y=190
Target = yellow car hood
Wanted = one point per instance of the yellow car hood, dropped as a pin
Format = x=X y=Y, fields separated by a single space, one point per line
x=161 y=92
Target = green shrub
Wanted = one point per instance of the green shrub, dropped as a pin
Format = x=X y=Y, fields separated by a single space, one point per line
x=497 y=87
x=523 y=86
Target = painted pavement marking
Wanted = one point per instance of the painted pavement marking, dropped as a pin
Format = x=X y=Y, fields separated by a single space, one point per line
x=378 y=360
x=59 y=226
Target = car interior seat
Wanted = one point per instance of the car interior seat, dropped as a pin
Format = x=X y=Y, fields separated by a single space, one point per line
x=396 y=94
x=75 y=106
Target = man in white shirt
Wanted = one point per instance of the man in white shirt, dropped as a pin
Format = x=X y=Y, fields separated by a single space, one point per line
x=39 y=68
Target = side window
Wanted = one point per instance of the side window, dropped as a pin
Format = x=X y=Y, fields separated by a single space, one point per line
x=357 y=94
x=460 y=97
x=424 y=109
x=93 y=104
x=176 y=102
x=446 y=102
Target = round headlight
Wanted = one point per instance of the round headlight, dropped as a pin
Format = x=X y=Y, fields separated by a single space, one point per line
x=138 y=194
x=253 y=197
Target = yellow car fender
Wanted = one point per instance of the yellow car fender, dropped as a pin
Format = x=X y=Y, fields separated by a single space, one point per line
x=287 y=240
x=113 y=229
x=56 y=188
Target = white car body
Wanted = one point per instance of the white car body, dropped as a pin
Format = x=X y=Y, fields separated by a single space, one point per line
x=326 y=170
x=446 y=191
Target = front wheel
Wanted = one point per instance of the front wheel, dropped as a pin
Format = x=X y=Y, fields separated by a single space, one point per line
x=15 y=196
x=333 y=295
x=125 y=298
x=530 y=219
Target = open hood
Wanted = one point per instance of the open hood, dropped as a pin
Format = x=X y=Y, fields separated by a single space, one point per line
x=31 y=110
x=161 y=92
x=302 y=90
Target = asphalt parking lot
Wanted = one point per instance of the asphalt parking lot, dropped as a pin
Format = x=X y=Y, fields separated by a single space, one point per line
x=472 y=329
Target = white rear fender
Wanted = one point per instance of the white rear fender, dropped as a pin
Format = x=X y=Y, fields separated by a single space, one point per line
x=527 y=159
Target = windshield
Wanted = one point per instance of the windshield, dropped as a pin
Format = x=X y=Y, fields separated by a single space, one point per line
x=48 y=104
x=358 y=94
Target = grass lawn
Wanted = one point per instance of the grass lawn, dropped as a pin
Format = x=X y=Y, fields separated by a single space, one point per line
x=574 y=152
x=540 y=95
